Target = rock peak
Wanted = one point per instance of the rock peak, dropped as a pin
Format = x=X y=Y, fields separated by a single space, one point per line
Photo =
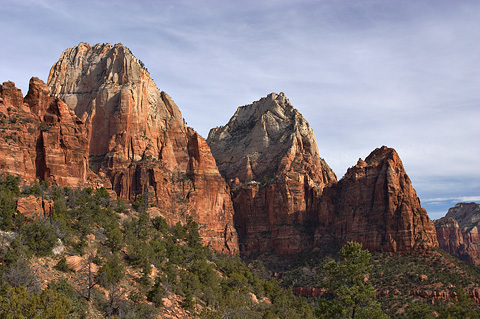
x=269 y=155
x=265 y=136
x=458 y=232
x=139 y=141
x=109 y=87
x=375 y=204
x=380 y=154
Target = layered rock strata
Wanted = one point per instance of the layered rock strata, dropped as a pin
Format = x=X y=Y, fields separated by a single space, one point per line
x=375 y=204
x=457 y=232
x=41 y=137
x=140 y=142
x=268 y=154
x=287 y=198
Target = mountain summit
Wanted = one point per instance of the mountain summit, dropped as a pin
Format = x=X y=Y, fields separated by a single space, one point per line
x=140 y=142
x=269 y=155
x=287 y=198
x=266 y=138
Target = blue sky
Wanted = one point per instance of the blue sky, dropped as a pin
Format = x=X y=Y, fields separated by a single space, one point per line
x=405 y=74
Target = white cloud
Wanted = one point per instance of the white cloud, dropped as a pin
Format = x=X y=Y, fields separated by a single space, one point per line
x=441 y=200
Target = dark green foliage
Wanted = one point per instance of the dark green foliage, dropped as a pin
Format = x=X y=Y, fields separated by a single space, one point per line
x=112 y=272
x=141 y=203
x=349 y=293
x=39 y=236
x=79 y=306
x=9 y=191
x=160 y=224
x=464 y=307
x=114 y=237
x=62 y=265
x=156 y=294
x=120 y=205
x=11 y=183
x=18 y=303
x=420 y=311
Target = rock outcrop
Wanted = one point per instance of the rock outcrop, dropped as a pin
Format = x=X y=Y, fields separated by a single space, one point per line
x=375 y=204
x=41 y=137
x=140 y=142
x=457 y=232
x=268 y=154
x=287 y=198
x=34 y=207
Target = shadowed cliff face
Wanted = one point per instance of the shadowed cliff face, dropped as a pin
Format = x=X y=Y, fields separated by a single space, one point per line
x=457 y=232
x=138 y=139
x=287 y=198
x=268 y=154
x=375 y=204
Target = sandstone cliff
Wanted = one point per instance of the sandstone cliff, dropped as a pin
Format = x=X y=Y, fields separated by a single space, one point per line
x=375 y=204
x=457 y=232
x=269 y=155
x=287 y=198
x=138 y=139
x=41 y=137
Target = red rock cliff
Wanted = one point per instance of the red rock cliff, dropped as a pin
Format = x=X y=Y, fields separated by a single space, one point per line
x=41 y=137
x=457 y=232
x=287 y=198
x=138 y=139
x=269 y=155
x=375 y=204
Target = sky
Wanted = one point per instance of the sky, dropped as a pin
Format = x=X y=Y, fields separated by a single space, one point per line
x=364 y=73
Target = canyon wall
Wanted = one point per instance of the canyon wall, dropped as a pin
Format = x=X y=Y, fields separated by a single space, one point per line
x=287 y=198
x=457 y=232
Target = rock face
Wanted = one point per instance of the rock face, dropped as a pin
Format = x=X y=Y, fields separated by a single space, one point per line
x=139 y=141
x=286 y=197
x=34 y=207
x=375 y=204
x=268 y=154
x=457 y=232
x=41 y=137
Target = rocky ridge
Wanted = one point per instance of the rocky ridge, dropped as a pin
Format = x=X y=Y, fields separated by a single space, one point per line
x=457 y=232
x=268 y=154
x=101 y=121
x=139 y=140
x=375 y=204
x=42 y=138
x=287 y=198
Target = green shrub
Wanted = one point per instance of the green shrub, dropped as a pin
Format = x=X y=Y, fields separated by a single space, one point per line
x=62 y=265
x=39 y=236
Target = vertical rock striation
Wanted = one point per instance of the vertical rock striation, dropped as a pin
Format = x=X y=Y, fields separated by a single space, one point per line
x=457 y=232
x=375 y=204
x=139 y=140
x=287 y=198
x=268 y=154
x=42 y=138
